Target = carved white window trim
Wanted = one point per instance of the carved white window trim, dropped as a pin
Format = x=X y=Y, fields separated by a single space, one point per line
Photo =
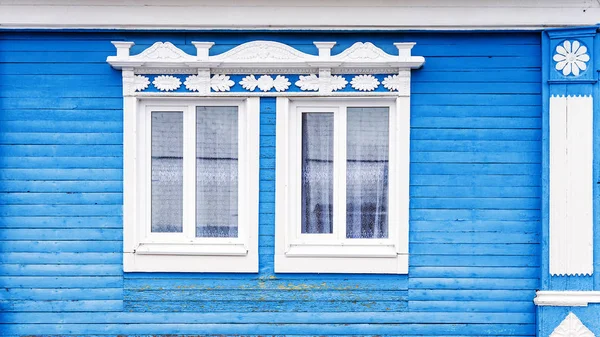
x=333 y=253
x=266 y=65
x=144 y=251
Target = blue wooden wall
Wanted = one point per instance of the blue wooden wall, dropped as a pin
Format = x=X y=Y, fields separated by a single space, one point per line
x=475 y=201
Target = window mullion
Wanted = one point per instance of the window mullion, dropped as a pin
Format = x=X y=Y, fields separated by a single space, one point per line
x=189 y=172
x=339 y=169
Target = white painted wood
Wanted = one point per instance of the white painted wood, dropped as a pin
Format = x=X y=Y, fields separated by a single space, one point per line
x=572 y=326
x=266 y=57
x=297 y=14
x=296 y=252
x=566 y=298
x=571 y=185
x=183 y=252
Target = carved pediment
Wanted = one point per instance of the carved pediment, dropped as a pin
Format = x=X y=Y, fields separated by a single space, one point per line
x=163 y=51
x=263 y=51
x=363 y=52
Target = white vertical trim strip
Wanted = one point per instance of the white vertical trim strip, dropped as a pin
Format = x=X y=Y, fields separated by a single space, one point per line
x=129 y=176
x=340 y=155
x=282 y=190
x=189 y=172
x=402 y=117
x=571 y=186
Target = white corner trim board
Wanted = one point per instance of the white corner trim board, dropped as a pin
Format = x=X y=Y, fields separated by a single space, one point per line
x=566 y=298
x=572 y=326
x=571 y=185
x=270 y=59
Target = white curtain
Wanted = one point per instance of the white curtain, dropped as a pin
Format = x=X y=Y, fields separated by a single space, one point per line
x=367 y=173
x=317 y=173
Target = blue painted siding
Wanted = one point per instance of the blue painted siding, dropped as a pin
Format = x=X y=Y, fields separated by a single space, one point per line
x=475 y=201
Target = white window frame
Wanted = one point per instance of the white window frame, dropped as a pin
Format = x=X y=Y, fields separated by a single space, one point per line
x=145 y=251
x=333 y=253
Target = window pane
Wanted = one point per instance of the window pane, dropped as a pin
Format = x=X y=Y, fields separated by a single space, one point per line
x=317 y=173
x=367 y=173
x=216 y=172
x=167 y=171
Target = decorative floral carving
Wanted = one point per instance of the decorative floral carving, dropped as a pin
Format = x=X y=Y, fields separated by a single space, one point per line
x=308 y=83
x=195 y=83
x=338 y=82
x=395 y=82
x=313 y=83
x=571 y=58
x=221 y=83
x=166 y=83
x=140 y=82
x=571 y=326
x=364 y=82
x=265 y=83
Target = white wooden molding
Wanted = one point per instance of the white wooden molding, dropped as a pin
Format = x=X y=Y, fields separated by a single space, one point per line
x=566 y=298
x=272 y=60
x=572 y=326
x=324 y=15
x=571 y=185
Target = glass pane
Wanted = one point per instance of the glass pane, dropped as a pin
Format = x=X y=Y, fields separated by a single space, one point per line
x=216 y=172
x=317 y=173
x=367 y=173
x=167 y=172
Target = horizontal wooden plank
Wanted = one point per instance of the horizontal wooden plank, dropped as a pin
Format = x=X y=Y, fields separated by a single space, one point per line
x=61 y=210
x=284 y=329
x=62 y=294
x=476 y=203
x=473 y=306
x=66 y=234
x=488 y=249
x=470 y=226
x=464 y=214
x=418 y=134
x=475 y=146
x=478 y=169
x=474 y=192
x=62 y=162
x=30 y=138
x=42 y=282
x=473 y=237
x=57 y=115
x=62 y=258
x=63 y=246
x=25 y=221
x=36 y=126
x=257 y=295
x=474 y=283
x=475 y=180
x=266 y=305
x=474 y=111
x=60 y=270
x=474 y=272
x=475 y=157
x=458 y=260
x=61 y=198
x=470 y=295
x=475 y=122
x=72 y=305
x=469 y=99
x=311 y=282
x=61 y=150
x=60 y=186
x=273 y=318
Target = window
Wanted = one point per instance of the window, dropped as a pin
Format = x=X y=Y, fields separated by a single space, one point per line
x=342 y=185
x=194 y=205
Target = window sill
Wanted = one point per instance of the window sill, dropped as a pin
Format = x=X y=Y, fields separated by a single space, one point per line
x=238 y=249
x=338 y=250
